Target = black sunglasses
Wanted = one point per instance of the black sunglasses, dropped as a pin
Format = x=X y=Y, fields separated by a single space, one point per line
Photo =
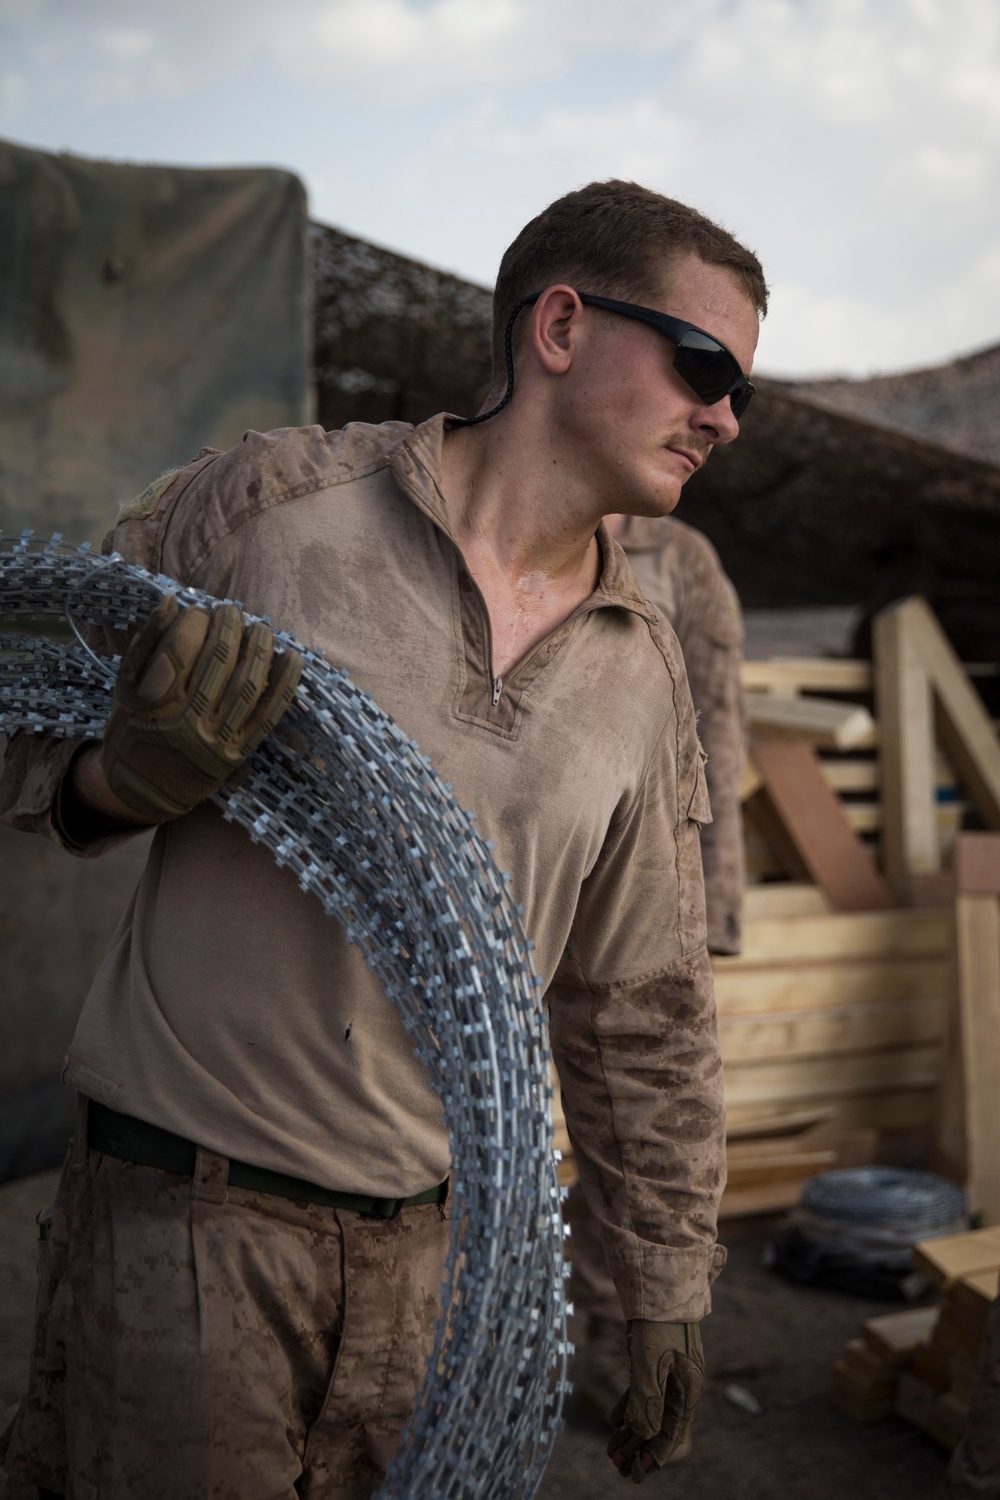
x=700 y=360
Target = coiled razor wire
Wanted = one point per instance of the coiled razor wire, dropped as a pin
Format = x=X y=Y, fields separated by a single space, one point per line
x=341 y=797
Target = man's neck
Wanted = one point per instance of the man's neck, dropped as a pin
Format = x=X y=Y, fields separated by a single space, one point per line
x=513 y=497
x=525 y=525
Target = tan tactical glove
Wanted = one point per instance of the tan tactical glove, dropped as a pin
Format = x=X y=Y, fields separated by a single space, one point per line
x=197 y=692
x=667 y=1369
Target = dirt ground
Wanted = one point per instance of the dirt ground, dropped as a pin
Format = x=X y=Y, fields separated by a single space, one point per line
x=776 y=1341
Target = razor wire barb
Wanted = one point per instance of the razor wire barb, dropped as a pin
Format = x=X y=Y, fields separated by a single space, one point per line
x=342 y=798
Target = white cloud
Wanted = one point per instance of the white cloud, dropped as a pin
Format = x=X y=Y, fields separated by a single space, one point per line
x=854 y=143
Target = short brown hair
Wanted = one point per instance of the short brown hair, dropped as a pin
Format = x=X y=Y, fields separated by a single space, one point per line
x=613 y=239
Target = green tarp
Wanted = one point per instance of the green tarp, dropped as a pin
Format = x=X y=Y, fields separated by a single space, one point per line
x=145 y=311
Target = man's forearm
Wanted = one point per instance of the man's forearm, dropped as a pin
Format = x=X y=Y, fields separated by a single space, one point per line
x=87 y=803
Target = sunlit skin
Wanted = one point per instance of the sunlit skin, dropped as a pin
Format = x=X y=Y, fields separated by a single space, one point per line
x=599 y=423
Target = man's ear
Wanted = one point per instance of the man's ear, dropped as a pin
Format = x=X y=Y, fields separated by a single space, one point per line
x=555 y=321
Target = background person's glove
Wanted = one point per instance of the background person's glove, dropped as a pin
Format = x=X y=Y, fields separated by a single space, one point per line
x=197 y=692
x=667 y=1375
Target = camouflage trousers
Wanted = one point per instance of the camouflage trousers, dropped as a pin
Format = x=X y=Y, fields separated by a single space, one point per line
x=591 y=1289
x=202 y=1341
x=974 y=1471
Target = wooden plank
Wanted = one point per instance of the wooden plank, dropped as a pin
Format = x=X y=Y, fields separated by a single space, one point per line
x=964 y=725
x=796 y=806
x=896 y=1109
x=794 y=674
x=823 y=722
x=956 y=1334
x=828 y=1077
x=863 y=775
x=915 y=1398
x=868 y=817
x=780 y=1125
x=893 y=1336
x=851 y=775
x=906 y=754
x=947 y=1257
x=975 y=1292
x=766 y=989
x=784 y=898
x=977 y=954
x=843 y=935
x=829 y=1032
x=854 y=1148
x=754 y=1148
x=868 y=1366
x=794 y=1166
x=977 y=864
x=764 y=1198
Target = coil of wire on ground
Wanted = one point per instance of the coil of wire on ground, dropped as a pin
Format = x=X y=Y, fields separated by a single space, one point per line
x=359 y=815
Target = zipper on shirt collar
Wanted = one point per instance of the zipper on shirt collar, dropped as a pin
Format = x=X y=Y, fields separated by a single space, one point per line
x=497 y=690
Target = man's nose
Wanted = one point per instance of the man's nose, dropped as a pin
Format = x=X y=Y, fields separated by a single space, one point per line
x=717 y=423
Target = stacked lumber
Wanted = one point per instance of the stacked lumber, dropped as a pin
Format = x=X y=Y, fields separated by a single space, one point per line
x=866 y=1376
x=838 y=1012
x=770 y=1159
x=968 y=1135
x=925 y=696
x=827 y=706
x=837 y=1022
x=921 y=1364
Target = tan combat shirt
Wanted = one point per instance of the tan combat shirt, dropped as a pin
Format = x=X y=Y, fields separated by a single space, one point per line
x=679 y=571
x=231 y=1010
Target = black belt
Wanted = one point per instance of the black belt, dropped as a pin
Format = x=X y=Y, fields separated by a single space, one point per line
x=147 y=1145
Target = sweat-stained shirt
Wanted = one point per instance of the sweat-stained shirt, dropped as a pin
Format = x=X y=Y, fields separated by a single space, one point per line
x=231 y=1010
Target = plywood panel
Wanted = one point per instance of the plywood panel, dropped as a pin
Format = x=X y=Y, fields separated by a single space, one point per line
x=753 y=990
x=828 y=1033
x=896 y=1109
x=784 y=898
x=818 y=1078
x=844 y=935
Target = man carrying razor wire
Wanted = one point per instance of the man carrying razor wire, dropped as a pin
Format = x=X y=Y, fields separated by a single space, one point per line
x=240 y=1280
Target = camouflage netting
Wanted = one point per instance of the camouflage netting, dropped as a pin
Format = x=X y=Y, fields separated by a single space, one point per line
x=804 y=507
x=395 y=340
x=954 y=404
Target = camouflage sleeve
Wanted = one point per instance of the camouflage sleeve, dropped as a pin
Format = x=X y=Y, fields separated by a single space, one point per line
x=634 y=1039
x=710 y=634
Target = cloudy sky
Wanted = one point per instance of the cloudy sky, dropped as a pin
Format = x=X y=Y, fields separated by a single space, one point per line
x=855 y=144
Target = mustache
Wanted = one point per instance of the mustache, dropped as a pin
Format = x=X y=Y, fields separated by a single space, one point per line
x=699 y=450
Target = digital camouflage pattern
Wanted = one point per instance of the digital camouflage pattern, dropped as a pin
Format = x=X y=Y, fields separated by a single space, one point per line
x=680 y=573
x=198 y=1341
